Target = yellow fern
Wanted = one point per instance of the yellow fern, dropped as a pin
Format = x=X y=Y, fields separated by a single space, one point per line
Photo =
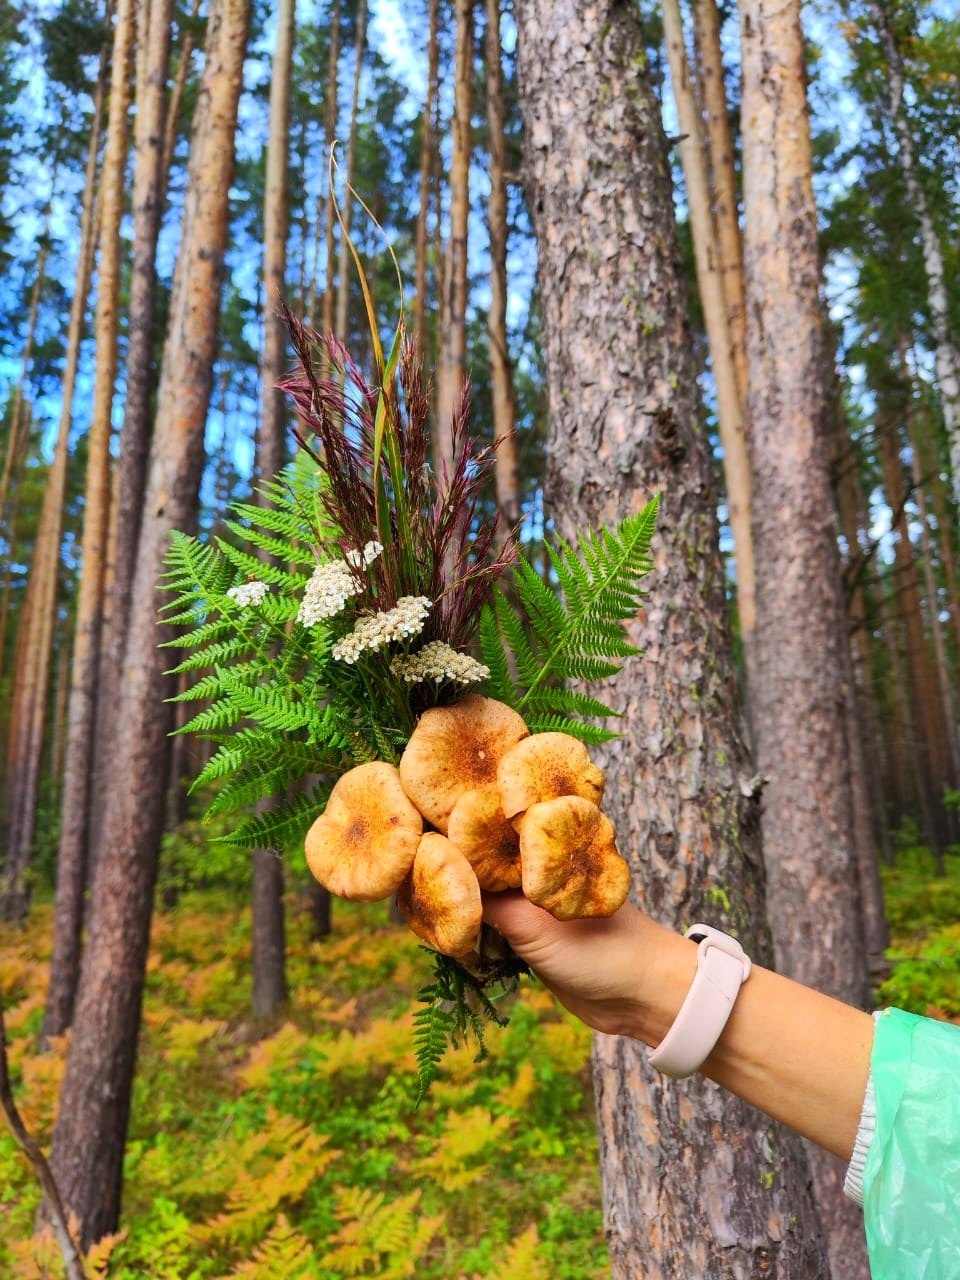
x=381 y=1237
x=456 y=1159
x=283 y=1254
x=279 y=1051
x=273 y=1166
x=521 y=1261
x=514 y=1097
x=185 y=1038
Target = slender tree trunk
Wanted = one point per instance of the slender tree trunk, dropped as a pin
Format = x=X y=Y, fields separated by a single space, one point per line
x=713 y=93
x=343 y=269
x=91 y=1124
x=922 y=676
x=17 y=442
x=325 y=214
x=947 y=357
x=695 y=1184
x=507 y=472
x=427 y=149
x=269 y=974
x=81 y=715
x=453 y=341
x=709 y=268
x=798 y=677
x=154 y=21
x=175 y=104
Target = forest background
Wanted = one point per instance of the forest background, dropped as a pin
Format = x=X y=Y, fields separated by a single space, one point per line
x=755 y=314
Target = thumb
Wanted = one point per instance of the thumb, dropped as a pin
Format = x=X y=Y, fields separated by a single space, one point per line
x=521 y=922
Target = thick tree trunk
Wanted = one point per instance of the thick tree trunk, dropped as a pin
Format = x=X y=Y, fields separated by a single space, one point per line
x=947 y=357
x=507 y=472
x=330 y=126
x=798 y=673
x=695 y=1184
x=427 y=148
x=269 y=973
x=709 y=268
x=95 y=1097
x=453 y=339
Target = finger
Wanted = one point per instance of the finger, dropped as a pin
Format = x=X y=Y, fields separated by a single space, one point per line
x=520 y=922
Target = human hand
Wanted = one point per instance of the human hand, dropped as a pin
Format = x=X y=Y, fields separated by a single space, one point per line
x=599 y=969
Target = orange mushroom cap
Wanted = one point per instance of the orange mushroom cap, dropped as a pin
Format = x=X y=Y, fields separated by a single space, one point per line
x=569 y=859
x=544 y=766
x=456 y=749
x=440 y=898
x=363 y=844
x=486 y=839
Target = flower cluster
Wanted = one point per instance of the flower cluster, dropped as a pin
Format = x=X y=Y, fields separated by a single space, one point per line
x=249 y=593
x=331 y=585
x=379 y=629
x=438 y=661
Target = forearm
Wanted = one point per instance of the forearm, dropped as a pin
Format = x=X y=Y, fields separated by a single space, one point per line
x=798 y=1055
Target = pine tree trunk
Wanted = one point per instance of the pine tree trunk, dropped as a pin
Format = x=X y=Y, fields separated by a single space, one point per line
x=19 y=417
x=427 y=148
x=798 y=673
x=507 y=471
x=695 y=1184
x=343 y=268
x=269 y=973
x=709 y=268
x=947 y=357
x=330 y=125
x=453 y=340
x=91 y=1125
x=175 y=103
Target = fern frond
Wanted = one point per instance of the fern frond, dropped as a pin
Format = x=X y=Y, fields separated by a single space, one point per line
x=500 y=684
x=281 y=827
x=433 y=1028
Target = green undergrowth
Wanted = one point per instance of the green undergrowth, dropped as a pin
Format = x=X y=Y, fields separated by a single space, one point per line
x=295 y=1151
x=923 y=910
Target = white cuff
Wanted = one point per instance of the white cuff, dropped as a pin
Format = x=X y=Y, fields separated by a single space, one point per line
x=853 y=1182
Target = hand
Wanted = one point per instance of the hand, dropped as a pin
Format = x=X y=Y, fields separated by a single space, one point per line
x=598 y=968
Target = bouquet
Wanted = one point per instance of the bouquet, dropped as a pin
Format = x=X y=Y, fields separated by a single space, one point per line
x=388 y=680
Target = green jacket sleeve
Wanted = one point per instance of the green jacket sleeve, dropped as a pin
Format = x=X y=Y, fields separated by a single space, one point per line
x=911 y=1181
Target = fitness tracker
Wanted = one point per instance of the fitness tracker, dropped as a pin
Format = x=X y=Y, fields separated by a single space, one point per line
x=722 y=968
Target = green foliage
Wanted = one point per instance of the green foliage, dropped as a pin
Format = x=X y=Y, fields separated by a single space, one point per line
x=574 y=633
x=923 y=908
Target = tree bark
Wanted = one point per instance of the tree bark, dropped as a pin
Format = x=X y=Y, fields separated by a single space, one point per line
x=709 y=268
x=798 y=673
x=507 y=467
x=453 y=340
x=91 y=1124
x=269 y=973
x=694 y=1183
x=330 y=124
x=947 y=357
x=175 y=104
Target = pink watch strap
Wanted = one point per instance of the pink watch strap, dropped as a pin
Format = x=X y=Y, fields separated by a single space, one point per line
x=722 y=968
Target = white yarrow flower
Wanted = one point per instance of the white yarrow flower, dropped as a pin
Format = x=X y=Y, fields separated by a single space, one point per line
x=249 y=593
x=362 y=559
x=379 y=629
x=438 y=661
x=331 y=585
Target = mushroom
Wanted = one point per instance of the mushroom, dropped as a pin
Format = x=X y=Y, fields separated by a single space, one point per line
x=486 y=839
x=440 y=898
x=569 y=859
x=456 y=749
x=363 y=844
x=543 y=767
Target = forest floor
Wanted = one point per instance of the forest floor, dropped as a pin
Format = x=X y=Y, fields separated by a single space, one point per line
x=295 y=1151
